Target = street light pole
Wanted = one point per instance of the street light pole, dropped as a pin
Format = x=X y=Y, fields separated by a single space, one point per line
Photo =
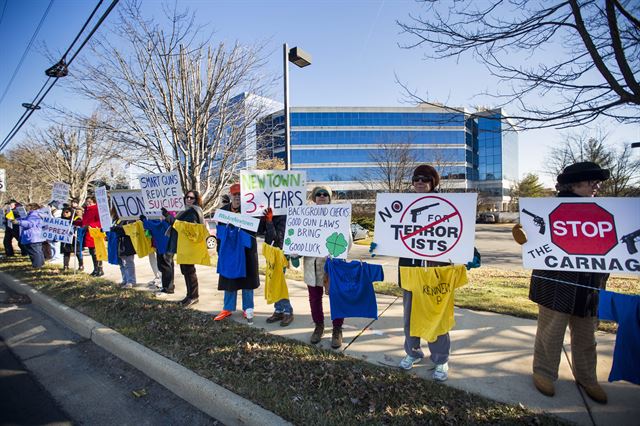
x=300 y=58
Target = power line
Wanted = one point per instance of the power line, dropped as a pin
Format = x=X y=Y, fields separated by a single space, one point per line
x=26 y=50
x=3 y=9
x=37 y=101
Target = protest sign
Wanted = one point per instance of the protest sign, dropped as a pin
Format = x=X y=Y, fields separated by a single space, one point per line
x=319 y=230
x=57 y=229
x=162 y=190
x=3 y=181
x=20 y=211
x=129 y=204
x=237 y=219
x=60 y=192
x=581 y=234
x=278 y=189
x=103 y=207
x=430 y=226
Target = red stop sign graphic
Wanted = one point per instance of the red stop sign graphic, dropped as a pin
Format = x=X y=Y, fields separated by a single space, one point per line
x=583 y=228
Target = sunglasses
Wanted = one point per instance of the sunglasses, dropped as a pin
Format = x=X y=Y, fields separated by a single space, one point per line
x=188 y=197
x=322 y=194
x=423 y=179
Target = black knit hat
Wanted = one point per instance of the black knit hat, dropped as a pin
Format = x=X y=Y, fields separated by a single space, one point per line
x=583 y=171
x=426 y=170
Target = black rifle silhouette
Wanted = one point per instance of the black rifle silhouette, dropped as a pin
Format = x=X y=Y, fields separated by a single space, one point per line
x=416 y=212
x=630 y=241
x=537 y=220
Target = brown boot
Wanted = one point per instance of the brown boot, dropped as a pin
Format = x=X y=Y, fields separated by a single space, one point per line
x=286 y=320
x=595 y=392
x=317 y=333
x=544 y=385
x=336 y=337
x=276 y=316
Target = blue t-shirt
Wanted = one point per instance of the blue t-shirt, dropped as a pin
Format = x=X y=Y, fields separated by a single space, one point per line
x=231 y=253
x=351 y=291
x=112 y=248
x=625 y=310
x=158 y=229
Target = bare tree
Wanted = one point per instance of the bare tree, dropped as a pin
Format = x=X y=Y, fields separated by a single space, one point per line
x=24 y=181
x=392 y=167
x=176 y=101
x=598 y=75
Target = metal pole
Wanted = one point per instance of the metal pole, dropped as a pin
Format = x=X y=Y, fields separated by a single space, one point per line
x=287 y=142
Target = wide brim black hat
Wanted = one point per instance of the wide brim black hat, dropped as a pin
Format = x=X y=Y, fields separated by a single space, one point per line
x=583 y=171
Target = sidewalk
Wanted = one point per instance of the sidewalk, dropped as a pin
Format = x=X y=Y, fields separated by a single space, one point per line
x=491 y=353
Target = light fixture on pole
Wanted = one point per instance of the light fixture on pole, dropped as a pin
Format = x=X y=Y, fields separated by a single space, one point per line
x=300 y=58
x=30 y=106
x=635 y=145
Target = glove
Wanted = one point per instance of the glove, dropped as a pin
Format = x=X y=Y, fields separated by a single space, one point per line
x=268 y=215
x=143 y=217
x=372 y=247
x=518 y=234
x=164 y=212
x=295 y=262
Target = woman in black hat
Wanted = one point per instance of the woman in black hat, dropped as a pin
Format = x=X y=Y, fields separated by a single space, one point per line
x=566 y=304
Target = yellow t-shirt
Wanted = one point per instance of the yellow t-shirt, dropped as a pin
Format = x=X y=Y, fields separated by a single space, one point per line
x=141 y=243
x=98 y=240
x=275 y=286
x=192 y=246
x=432 y=298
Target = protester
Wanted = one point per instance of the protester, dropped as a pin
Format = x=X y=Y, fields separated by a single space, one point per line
x=31 y=234
x=561 y=302
x=9 y=234
x=191 y=214
x=125 y=252
x=67 y=248
x=80 y=233
x=91 y=218
x=237 y=263
x=56 y=212
x=156 y=282
x=164 y=259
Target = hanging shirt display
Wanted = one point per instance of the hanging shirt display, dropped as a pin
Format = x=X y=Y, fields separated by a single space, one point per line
x=158 y=229
x=351 y=292
x=231 y=254
x=112 y=247
x=625 y=310
x=98 y=240
x=192 y=246
x=139 y=239
x=275 y=286
x=432 y=298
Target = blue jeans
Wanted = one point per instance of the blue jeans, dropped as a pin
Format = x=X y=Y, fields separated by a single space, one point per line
x=283 y=306
x=230 y=298
x=34 y=251
x=127 y=269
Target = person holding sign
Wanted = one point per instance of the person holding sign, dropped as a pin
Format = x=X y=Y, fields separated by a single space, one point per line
x=67 y=248
x=91 y=219
x=9 y=233
x=563 y=300
x=31 y=235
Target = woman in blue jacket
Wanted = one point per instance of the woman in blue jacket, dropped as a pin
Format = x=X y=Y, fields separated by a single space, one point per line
x=31 y=234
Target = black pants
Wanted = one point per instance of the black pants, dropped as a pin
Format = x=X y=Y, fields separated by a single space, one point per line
x=34 y=251
x=97 y=264
x=8 y=242
x=191 y=279
x=66 y=257
x=165 y=266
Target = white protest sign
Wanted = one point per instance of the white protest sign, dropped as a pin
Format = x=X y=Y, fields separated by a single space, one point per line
x=3 y=181
x=57 y=229
x=60 y=192
x=103 y=207
x=318 y=230
x=129 y=204
x=162 y=190
x=278 y=189
x=581 y=234
x=430 y=226
x=237 y=219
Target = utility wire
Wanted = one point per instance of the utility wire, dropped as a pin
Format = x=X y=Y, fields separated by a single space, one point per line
x=29 y=112
x=3 y=9
x=26 y=50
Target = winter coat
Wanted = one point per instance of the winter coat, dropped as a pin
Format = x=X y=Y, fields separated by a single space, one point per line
x=31 y=228
x=90 y=218
x=252 y=280
x=566 y=298
x=125 y=246
x=192 y=214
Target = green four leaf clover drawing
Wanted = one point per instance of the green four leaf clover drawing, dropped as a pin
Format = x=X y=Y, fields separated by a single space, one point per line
x=336 y=244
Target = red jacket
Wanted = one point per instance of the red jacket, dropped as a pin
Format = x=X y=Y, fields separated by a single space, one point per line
x=90 y=218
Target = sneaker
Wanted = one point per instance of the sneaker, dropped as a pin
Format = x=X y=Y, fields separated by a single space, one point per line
x=190 y=302
x=336 y=337
x=249 y=316
x=127 y=285
x=275 y=317
x=154 y=284
x=317 y=333
x=286 y=320
x=440 y=373
x=408 y=361
x=165 y=291
x=222 y=315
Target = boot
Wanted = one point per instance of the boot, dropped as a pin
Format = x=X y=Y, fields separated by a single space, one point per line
x=336 y=337
x=100 y=272
x=544 y=385
x=317 y=333
x=595 y=392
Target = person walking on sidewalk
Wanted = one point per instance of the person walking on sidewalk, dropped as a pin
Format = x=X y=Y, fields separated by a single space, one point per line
x=31 y=234
x=560 y=303
x=244 y=240
x=192 y=214
x=91 y=218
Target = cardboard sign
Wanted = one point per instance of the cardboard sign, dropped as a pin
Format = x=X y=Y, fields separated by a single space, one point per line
x=60 y=192
x=432 y=226
x=57 y=229
x=103 y=207
x=236 y=219
x=129 y=204
x=278 y=189
x=162 y=190
x=3 y=181
x=318 y=230
x=581 y=234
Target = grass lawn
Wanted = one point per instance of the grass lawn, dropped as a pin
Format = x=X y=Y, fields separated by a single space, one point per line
x=300 y=382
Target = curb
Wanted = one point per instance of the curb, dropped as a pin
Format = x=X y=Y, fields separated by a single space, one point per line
x=212 y=399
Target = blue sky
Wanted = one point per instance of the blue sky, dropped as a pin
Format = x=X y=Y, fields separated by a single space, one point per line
x=354 y=44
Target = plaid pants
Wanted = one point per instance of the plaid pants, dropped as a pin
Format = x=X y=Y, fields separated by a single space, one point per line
x=549 y=341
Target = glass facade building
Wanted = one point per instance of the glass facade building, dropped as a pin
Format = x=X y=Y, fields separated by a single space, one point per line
x=343 y=146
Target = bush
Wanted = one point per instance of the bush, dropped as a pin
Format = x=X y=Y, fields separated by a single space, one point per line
x=366 y=222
